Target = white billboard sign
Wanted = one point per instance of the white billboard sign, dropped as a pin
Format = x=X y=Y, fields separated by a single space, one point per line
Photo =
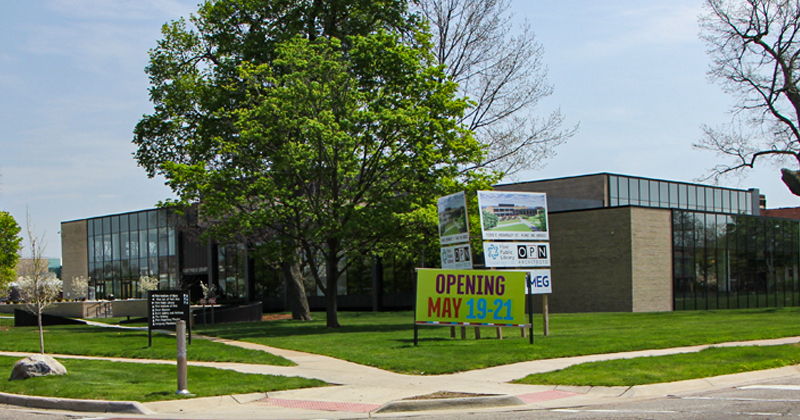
x=516 y=254
x=453 y=220
x=540 y=281
x=513 y=215
x=458 y=257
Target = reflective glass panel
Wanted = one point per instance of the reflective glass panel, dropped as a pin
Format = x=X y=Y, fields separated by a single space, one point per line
x=749 y=203
x=644 y=192
x=162 y=241
x=152 y=242
x=701 y=198
x=623 y=188
x=142 y=244
x=142 y=220
x=654 y=192
x=125 y=245
x=613 y=190
x=663 y=194
x=152 y=219
x=726 y=201
x=633 y=189
x=90 y=249
x=107 y=247
x=673 y=196
x=171 y=232
x=134 y=238
x=115 y=246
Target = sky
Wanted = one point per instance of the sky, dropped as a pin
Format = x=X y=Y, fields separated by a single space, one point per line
x=631 y=74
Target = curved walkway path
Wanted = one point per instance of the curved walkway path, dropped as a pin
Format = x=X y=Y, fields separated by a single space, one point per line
x=363 y=389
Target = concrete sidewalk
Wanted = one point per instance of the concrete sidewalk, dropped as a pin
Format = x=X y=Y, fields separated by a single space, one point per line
x=361 y=391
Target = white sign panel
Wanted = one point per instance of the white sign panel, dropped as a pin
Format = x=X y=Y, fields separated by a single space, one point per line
x=517 y=254
x=540 y=282
x=513 y=215
x=453 y=220
x=458 y=257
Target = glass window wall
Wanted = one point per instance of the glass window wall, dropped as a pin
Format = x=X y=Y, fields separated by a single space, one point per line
x=734 y=261
x=124 y=247
x=624 y=190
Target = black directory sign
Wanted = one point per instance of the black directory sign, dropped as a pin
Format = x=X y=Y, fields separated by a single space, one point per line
x=165 y=308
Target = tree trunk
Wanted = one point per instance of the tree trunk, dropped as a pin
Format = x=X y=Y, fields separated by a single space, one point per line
x=41 y=332
x=332 y=277
x=295 y=291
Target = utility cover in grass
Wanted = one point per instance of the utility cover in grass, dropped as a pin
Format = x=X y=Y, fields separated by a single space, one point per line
x=37 y=365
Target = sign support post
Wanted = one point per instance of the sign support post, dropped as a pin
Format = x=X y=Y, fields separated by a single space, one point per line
x=529 y=298
x=546 y=315
x=416 y=328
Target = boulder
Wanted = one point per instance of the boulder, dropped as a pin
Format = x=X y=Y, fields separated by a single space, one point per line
x=36 y=365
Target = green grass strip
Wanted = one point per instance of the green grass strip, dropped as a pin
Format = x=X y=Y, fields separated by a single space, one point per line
x=120 y=381
x=714 y=361
x=126 y=343
x=385 y=339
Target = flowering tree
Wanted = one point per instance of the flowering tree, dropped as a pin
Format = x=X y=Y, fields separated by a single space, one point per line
x=37 y=286
x=80 y=287
x=209 y=291
x=147 y=283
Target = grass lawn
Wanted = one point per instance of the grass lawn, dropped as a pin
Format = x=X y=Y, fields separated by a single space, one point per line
x=113 y=342
x=385 y=339
x=714 y=361
x=102 y=380
x=511 y=227
x=451 y=228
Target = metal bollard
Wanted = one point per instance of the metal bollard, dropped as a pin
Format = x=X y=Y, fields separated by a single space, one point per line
x=180 y=330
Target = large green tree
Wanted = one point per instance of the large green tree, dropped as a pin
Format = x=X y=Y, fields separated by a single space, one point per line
x=322 y=141
x=10 y=245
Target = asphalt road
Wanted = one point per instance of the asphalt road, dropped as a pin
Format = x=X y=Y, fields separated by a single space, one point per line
x=778 y=399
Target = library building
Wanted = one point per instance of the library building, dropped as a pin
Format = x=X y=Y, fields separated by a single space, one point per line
x=618 y=244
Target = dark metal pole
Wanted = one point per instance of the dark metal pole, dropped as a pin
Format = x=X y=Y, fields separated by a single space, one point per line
x=416 y=291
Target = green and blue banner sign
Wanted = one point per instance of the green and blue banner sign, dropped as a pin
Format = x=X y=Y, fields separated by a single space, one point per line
x=489 y=298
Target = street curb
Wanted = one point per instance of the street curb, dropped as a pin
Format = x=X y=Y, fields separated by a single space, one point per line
x=69 y=404
x=450 y=404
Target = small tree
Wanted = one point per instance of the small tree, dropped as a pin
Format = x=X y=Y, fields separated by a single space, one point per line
x=147 y=283
x=80 y=287
x=38 y=286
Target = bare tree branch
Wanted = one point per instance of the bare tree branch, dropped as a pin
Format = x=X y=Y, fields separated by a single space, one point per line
x=754 y=49
x=502 y=74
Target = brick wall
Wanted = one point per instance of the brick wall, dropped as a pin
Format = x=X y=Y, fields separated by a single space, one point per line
x=74 y=254
x=651 y=242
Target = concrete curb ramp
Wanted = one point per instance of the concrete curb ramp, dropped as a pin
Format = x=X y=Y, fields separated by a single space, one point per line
x=93 y=406
x=450 y=404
